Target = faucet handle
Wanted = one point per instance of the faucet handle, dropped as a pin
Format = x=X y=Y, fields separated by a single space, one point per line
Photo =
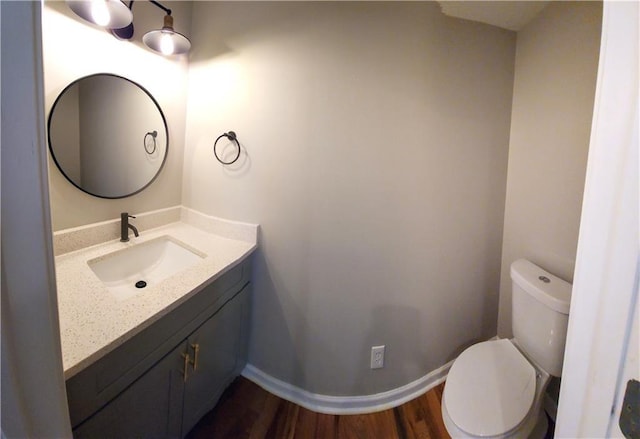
x=131 y=216
x=125 y=215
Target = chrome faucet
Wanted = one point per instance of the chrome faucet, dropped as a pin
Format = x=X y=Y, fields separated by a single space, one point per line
x=125 y=226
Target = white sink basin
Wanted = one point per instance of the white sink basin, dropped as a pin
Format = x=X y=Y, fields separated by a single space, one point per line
x=130 y=271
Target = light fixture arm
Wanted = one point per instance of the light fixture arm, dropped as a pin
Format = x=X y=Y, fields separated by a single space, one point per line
x=158 y=4
x=154 y=2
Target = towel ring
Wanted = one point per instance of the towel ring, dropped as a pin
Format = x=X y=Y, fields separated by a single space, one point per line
x=231 y=136
x=153 y=135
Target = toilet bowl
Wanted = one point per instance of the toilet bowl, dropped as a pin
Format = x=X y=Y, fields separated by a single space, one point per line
x=495 y=389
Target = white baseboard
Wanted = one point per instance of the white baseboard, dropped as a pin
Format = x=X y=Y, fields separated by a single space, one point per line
x=347 y=405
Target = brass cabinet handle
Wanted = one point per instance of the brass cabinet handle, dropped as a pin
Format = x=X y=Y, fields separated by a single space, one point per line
x=196 y=350
x=186 y=366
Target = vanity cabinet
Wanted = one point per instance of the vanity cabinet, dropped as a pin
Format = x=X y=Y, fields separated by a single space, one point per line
x=162 y=381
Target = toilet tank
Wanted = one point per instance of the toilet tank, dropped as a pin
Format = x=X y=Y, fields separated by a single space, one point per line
x=540 y=313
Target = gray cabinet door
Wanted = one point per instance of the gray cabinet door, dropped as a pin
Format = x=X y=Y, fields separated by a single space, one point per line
x=150 y=408
x=219 y=343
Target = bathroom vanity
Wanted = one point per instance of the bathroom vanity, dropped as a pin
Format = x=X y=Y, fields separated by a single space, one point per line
x=151 y=365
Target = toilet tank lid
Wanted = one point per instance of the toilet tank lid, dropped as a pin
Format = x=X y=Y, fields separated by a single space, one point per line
x=544 y=286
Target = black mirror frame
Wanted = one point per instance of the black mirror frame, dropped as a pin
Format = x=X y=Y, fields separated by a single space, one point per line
x=53 y=156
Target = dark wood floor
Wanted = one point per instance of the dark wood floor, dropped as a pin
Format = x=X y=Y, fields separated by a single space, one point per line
x=247 y=411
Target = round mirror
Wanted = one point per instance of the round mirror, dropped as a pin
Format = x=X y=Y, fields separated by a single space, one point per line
x=108 y=135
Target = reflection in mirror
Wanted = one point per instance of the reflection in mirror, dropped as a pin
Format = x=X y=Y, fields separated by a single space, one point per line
x=108 y=135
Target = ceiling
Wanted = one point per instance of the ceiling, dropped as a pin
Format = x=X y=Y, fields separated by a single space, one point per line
x=512 y=15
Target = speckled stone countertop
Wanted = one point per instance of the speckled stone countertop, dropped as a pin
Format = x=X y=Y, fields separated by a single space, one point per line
x=93 y=322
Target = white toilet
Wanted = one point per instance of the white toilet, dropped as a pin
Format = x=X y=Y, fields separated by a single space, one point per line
x=495 y=389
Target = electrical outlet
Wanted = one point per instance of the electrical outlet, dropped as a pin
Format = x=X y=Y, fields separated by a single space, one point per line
x=377 y=357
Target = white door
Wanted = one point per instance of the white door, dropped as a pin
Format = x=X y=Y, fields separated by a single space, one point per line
x=602 y=342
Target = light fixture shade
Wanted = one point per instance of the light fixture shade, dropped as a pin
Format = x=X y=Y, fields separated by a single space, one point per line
x=166 y=40
x=106 y=13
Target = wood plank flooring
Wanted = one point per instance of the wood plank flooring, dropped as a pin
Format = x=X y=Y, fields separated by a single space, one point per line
x=247 y=411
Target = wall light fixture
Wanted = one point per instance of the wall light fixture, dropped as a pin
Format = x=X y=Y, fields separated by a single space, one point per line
x=166 y=40
x=105 y=13
x=116 y=16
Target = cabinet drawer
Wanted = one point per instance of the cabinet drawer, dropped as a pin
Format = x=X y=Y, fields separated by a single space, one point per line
x=102 y=381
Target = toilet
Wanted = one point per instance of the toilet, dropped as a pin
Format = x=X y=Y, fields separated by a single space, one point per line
x=495 y=389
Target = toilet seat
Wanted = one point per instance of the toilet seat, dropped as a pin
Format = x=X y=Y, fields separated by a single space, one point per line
x=490 y=389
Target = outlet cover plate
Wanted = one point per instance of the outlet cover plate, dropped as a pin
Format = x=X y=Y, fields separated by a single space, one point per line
x=377 y=357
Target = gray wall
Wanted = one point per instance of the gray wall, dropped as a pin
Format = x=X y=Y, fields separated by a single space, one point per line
x=555 y=80
x=73 y=48
x=376 y=139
